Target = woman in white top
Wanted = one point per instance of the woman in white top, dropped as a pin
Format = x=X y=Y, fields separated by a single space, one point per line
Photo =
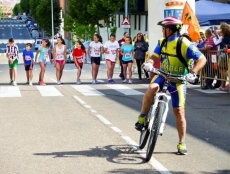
x=111 y=53
x=59 y=52
x=94 y=51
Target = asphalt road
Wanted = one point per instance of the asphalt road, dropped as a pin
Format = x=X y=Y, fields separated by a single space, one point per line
x=89 y=128
x=41 y=133
x=13 y=28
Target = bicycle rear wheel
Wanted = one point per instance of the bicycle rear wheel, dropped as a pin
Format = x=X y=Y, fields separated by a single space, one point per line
x=145 y=133
x=155 y=130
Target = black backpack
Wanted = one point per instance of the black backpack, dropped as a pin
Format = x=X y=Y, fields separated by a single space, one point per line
x=178 y=50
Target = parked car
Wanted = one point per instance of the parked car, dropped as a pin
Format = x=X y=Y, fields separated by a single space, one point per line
x=35 y=34
x=33 y=28
x=37 y=43
x=69 y=56
x=14 y=18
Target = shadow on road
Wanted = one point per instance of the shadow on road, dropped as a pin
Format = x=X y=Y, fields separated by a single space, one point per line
x=122 y=154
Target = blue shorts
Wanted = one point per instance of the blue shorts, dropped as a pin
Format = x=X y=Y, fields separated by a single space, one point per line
x=177 y=91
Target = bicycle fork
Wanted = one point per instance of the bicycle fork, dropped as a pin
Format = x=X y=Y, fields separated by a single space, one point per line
x=153 y=113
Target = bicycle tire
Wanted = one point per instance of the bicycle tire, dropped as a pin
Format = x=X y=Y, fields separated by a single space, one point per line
x=145 y=133
x=155 y=130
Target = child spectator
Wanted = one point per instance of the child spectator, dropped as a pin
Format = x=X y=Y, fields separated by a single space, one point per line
x=78 y=54
x=28 y=58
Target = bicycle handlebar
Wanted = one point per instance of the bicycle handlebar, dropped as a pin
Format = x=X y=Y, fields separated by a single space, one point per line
x=168 y=75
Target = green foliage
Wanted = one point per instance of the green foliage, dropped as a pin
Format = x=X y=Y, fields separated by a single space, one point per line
x=17 y=9
x=43 y=16
x=33 y=7
x=85 y=13
x=84 y=32
x=25 y=6
x=1 y=12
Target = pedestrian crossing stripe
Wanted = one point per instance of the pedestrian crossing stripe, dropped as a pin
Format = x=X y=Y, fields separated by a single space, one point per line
x=48 y=91
x=10 y=91
x=87 y=90
x=13 y=25
x=124 y=89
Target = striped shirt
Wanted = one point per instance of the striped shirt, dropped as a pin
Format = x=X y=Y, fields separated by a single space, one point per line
x=12 y=51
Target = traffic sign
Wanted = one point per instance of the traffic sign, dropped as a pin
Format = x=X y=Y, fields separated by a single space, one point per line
x=125 y=23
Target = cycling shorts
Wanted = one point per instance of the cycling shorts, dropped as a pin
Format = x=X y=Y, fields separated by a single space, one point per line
x=177 y=91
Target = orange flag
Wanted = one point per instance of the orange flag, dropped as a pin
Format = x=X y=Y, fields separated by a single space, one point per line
x=189 y=18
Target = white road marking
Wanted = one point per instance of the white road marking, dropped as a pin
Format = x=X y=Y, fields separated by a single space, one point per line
x=103 y=119
x=153 y=162
x=211 y=91
x=145 y=85
x=124 y=89
x=157 y=165
x=87 y=106
x=115 y=129
x=48 y=91
x=10 y=91
x=93 y=111
x=79 y=100
x=87 y=90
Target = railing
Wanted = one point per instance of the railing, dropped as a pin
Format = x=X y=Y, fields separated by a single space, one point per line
x=217 y=69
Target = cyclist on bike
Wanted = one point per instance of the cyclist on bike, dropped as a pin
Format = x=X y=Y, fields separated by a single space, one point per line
x=170 y=62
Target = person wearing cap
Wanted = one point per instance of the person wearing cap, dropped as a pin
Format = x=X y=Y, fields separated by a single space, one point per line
x=121 y=42
x=171 y=27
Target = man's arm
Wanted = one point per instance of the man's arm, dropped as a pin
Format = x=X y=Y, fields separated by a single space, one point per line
x=200 y=63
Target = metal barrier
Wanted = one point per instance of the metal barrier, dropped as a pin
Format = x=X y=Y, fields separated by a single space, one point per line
x=216 y=69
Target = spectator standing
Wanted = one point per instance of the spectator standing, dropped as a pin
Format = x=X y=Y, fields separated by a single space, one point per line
x=121 y=42
x=140 y=49
x=208 y=69
x=223 y=62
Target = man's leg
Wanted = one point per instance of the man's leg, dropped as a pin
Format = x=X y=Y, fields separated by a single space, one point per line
x=178 y=102
x=146 y=103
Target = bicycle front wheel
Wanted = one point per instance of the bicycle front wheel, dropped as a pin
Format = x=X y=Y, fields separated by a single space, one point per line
x=155 y=130
x=145 y=132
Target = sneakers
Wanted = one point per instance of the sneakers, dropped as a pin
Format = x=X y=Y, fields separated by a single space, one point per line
x=14 y=83
x=78 y=82
x=181 y=147
x=59 y=82
x=95 y=82
x=11 y=82
x=30 y=83
x=27 y=83
x=140 y=124
x=125 y=81
x=222 y=89
x=130 y=81
x=110 y=81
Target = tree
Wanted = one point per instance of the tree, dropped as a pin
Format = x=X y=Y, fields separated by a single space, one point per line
x=43 y=16
x=90 y=12
x=25 y=6
x=33 y=6
x=81 y=31
x=1 y=11
x=17 y=9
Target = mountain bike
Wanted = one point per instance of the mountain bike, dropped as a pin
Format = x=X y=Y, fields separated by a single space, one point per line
x=157 y=114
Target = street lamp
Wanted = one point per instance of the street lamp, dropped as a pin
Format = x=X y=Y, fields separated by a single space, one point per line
x=52 y=14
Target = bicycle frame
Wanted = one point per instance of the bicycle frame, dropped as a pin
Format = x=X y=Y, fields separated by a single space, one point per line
x=154 y=107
